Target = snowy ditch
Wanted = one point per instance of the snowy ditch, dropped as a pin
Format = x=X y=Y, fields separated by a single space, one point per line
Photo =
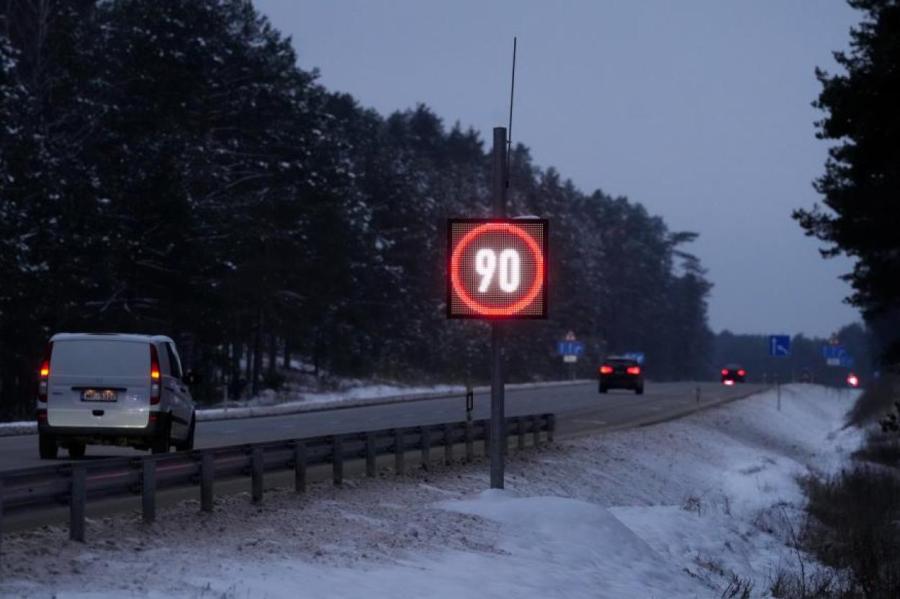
x=679 y=509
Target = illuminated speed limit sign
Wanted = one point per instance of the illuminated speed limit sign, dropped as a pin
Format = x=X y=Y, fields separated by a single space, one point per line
x=497 y=268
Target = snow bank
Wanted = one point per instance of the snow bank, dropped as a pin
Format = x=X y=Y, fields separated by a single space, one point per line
x=359 y=396
x=17 y=428
x=672 y=510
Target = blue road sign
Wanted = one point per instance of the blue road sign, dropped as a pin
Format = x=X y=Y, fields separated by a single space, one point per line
x=780 y=345
x=637 y=356
x=836 y=355
x=833 y=352
x=570 y=348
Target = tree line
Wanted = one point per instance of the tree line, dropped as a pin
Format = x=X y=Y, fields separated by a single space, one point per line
x=167 y=167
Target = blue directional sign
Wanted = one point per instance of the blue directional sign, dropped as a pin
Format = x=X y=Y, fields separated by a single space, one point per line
x=570 y=348
x=833 y=352
x=780 y=346
x=836 y=355
x=637 y=356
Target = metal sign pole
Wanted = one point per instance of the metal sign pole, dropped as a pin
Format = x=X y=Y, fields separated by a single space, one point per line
x=498 y=434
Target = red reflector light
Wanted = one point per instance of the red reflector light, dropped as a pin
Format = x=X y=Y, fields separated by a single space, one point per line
x=606 y=370
x=742 y=372
x=633 y=370
x=42 y=415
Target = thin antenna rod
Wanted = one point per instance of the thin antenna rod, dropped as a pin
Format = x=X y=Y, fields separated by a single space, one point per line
x=512 y=95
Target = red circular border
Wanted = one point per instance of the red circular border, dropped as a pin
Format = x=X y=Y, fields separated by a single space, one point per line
x=529 y=297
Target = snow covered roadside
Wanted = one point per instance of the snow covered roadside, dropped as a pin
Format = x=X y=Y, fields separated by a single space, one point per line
x=672 y=510
x=313 y=402
x=359 y=396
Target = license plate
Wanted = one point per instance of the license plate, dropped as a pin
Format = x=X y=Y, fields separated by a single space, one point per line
x=99 y=395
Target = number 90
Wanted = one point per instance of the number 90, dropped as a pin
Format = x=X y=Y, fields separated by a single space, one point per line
x=510 y=269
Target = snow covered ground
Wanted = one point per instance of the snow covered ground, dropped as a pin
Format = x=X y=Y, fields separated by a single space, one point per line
x=673 y=510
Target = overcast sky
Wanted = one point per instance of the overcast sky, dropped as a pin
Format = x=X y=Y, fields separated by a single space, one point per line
x=700 y=110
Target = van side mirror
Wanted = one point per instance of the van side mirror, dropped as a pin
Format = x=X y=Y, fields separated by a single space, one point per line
x=191 y=378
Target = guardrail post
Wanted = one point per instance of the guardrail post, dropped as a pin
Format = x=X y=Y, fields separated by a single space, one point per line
x=398 y=452
x=256 y=472
x=551 y=427
x=300 y=466
x=148 y=489
x=77 y=499
x=470 y=442
x=487 y=438
x=448 y=444
x=520 y=429
x=370 y=454
x=426 y=446
x=337 y=461
x=207 y=475
x=536 y=430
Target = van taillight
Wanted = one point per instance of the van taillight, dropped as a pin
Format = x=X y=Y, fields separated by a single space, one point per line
x=742 y=372
x=154 y=376
x=44 y=372
x=724 y=372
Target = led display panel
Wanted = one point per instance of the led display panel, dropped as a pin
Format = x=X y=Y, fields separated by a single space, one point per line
x=496 y=268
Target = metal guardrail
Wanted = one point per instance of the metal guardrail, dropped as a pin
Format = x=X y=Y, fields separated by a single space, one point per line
x=75 y=483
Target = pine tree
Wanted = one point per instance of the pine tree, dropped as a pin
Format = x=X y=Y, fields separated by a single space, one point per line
x=862 y=174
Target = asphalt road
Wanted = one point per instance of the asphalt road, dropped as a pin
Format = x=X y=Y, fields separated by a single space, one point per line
x=579 y=409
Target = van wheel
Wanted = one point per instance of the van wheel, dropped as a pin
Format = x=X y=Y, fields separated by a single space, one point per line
x=77 y=450
x=188 y=443
x=163 y=440
x=47 y=447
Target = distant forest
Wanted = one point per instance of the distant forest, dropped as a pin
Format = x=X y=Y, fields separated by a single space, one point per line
x=166 y=167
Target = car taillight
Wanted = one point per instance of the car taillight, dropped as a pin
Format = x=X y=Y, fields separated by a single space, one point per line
x=154 y=376
x=742 y=372
x=633 y=370
x=44 y=380
x=724 y=371
x=853 y=380
x=606 y=369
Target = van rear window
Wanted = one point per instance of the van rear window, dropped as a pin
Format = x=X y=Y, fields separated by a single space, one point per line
x=100 y=358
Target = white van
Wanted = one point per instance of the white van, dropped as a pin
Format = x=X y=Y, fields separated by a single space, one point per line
x=113 y=389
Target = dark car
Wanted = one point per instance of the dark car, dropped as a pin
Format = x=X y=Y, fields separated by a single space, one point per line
x=733 y=373
x=620 y=373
